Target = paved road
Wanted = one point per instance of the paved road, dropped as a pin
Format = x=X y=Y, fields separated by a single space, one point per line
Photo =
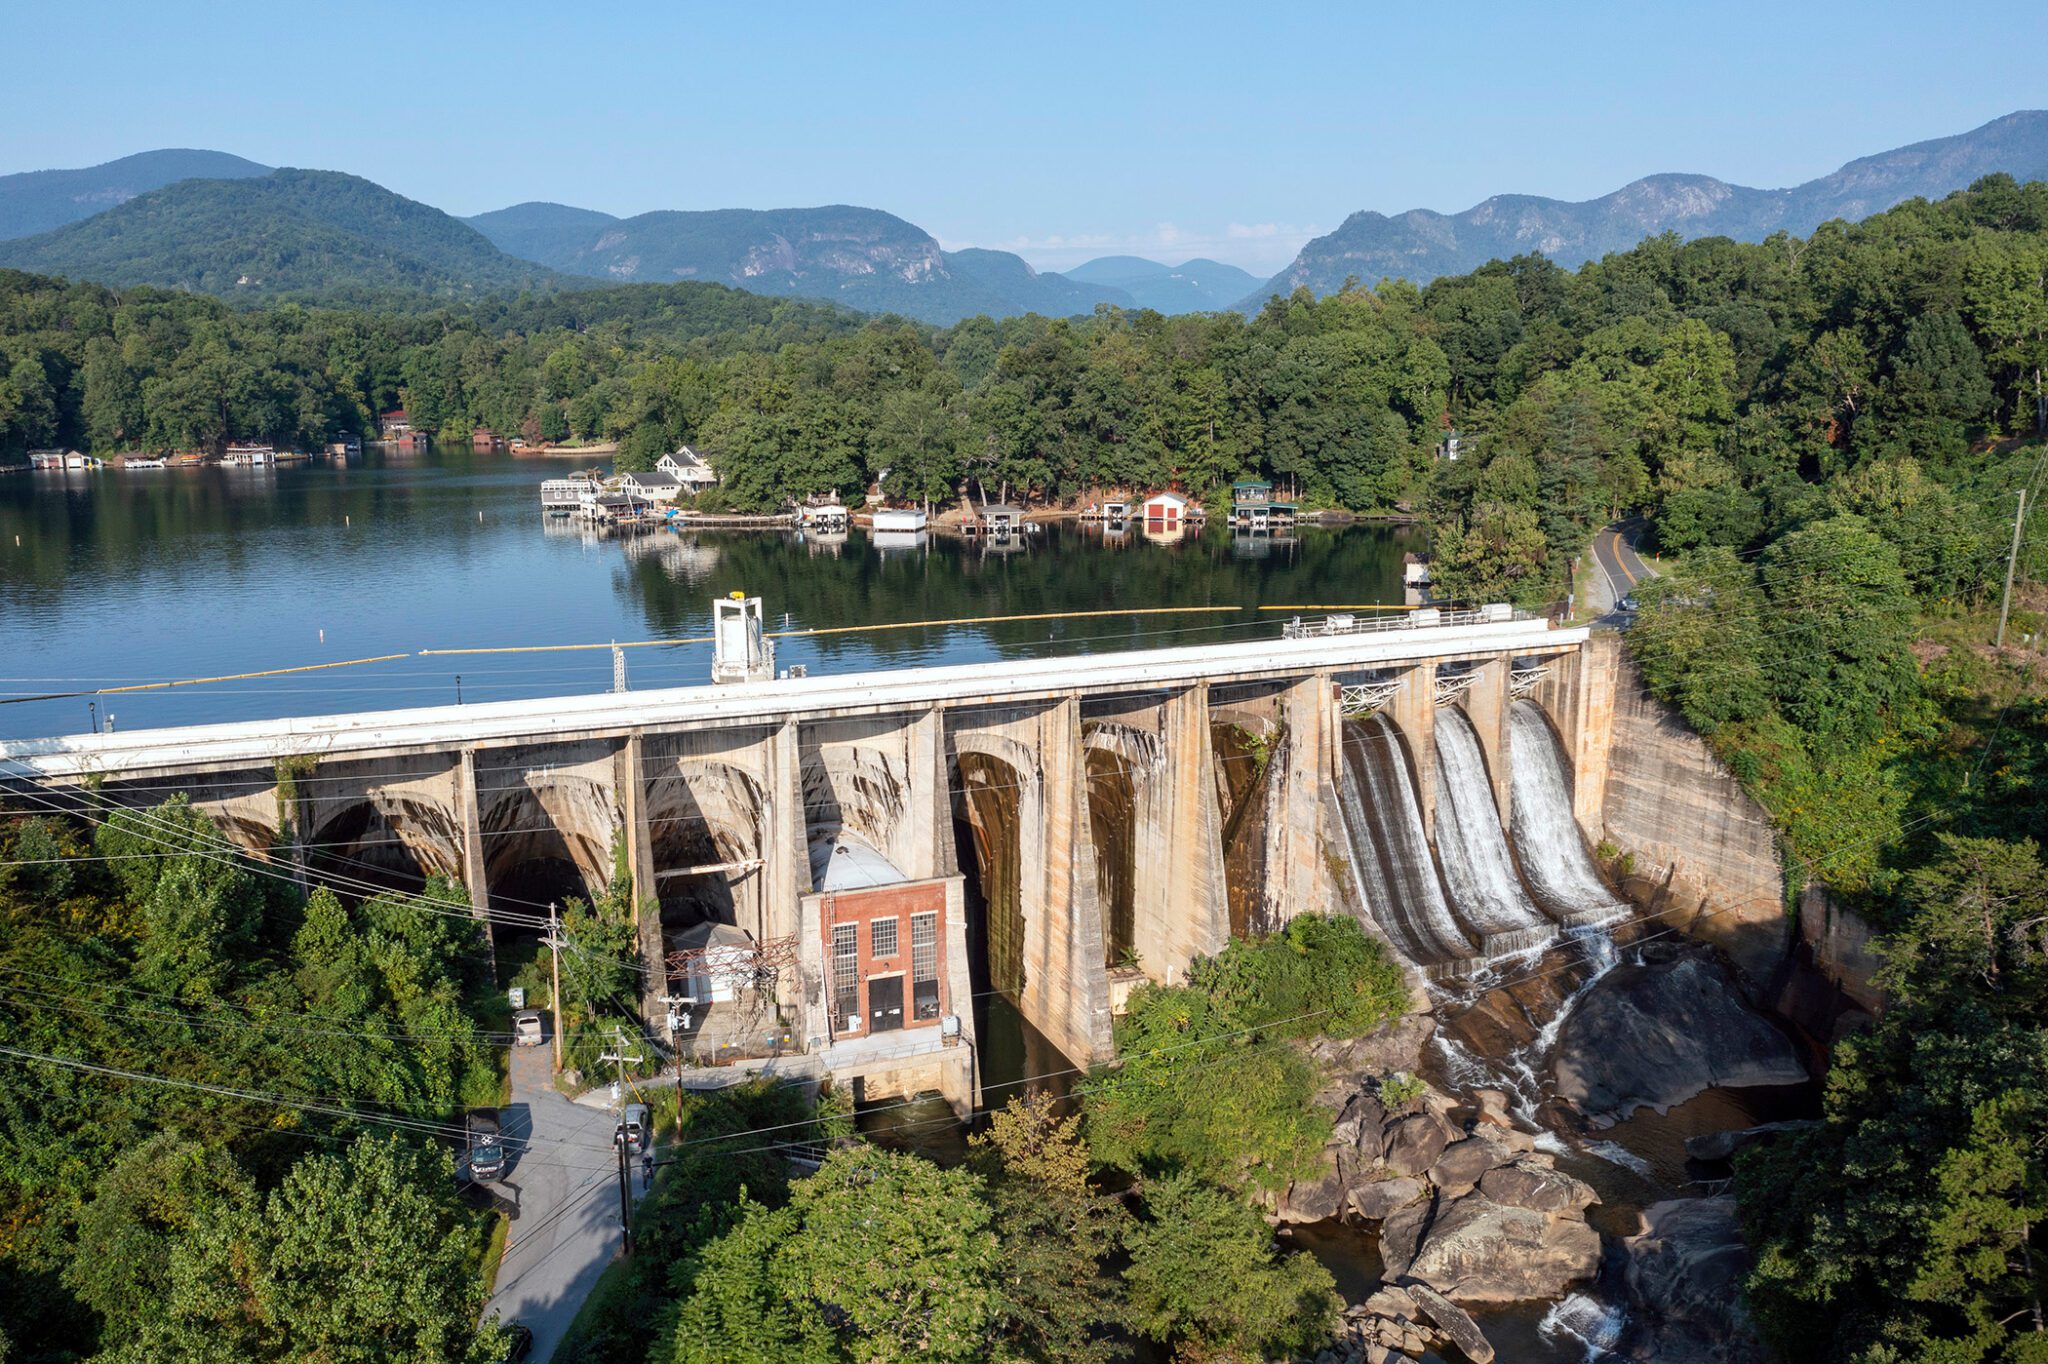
x=562 y=1189
x=1620 y=566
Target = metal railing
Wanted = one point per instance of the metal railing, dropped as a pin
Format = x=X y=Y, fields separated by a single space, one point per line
x=1423 y=618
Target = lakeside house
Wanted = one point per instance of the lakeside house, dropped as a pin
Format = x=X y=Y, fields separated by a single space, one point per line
x=485 y=441
x=656 y=485
x=1415 y=570
x=689 y=469
x=394 y=423
x=999 y=520
x=249 y=452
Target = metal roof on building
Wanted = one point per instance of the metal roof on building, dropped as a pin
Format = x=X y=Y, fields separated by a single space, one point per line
x=846 y=861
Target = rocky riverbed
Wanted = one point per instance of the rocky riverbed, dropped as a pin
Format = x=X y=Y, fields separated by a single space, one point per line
x=1481 y=1198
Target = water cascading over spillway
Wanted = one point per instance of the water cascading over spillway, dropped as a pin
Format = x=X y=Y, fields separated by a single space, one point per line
x=1472 y=848
x=1391 y=852
x=1546 y=836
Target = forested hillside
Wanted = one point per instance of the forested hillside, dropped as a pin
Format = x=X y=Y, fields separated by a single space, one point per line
x=291 y=233
x=241 y=1149
x=39 y=201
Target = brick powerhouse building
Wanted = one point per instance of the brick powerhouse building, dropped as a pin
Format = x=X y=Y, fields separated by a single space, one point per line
x=883 y=940
x=895 y=971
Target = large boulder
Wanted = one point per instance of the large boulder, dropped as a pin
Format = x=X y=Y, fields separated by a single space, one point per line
x=1454 y=1322
x=1361 y=1124
x=1537 y=1187
x=1395 y=1049
x=1655 y=1034
x=1413 y=1143
x=1683 y=1275
x=1315 y=1200
x=1474 y=1250
x=1458 y=1169
x=1378 y=1199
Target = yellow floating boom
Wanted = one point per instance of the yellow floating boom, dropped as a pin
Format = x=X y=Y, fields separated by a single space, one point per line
x=852 y=629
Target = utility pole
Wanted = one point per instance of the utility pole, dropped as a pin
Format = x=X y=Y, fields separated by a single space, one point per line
x=2011 y=559
x=555 y=969
x=620 y=1140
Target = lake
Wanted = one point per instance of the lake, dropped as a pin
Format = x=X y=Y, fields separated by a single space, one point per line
x=120 y=578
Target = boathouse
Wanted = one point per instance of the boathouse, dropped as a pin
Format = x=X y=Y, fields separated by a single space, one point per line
x=1000 y=520
x=1252 y=506
x=1166 y=509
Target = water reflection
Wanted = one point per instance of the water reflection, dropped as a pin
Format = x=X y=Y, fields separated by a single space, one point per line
x=183 y=573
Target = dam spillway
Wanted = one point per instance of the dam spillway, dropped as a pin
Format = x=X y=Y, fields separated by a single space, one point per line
x=1553 y=852
x=1390 y=850
x=1472 y=850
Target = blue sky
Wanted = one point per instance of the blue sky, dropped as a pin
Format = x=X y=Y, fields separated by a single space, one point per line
x=1061 y=131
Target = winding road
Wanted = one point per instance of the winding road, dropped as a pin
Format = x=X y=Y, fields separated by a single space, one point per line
x=1615 y=551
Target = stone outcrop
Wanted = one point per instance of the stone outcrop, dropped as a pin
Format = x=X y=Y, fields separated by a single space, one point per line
x=1656 y=1034
x=1393 y=1050
x=1475 y=1250
x=1478 y=1215
x=1404 y=1322
x=1683 y=1277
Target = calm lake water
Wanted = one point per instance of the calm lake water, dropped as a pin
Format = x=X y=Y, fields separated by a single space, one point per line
x=121 y=578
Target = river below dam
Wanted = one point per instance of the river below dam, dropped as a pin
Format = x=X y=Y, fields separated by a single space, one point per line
x=123 y=577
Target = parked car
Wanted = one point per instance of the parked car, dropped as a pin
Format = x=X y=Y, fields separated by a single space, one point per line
x=632 y=1129
x=486 y=1143
x=527 y=1028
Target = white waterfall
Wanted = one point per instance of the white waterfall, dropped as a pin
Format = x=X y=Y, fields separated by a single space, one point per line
x=1389 y=850
x=1472 y=848
x=1547 y=838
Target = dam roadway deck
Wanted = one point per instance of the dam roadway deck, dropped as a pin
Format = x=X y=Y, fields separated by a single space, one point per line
x=1053 y=830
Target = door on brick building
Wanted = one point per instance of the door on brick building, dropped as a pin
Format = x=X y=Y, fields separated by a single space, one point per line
x=885 y=1004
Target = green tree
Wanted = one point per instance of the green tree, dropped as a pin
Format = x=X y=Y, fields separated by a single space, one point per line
x=1204 y=1276
x=1056 y=1302
x=878 y=1256
x=1498 y=553
x=1842 y=625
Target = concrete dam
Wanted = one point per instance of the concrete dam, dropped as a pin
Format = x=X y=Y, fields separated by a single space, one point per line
x=857 y=863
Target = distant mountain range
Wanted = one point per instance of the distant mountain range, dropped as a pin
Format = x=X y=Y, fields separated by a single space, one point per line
x=298 y=233
x=37 y=201
x=1190 y=287
x=1420 y=244
x=862 y=257
x=216 y=223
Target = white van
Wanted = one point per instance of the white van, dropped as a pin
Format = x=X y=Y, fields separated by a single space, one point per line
x=632 y=1132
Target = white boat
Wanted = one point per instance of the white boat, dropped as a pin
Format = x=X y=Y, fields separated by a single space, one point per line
x=142 y=464
x=908 y=519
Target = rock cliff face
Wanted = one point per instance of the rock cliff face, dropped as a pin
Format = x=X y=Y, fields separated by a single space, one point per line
x=1683 y=1276
x=1653 y=1035
x=1702 y=854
